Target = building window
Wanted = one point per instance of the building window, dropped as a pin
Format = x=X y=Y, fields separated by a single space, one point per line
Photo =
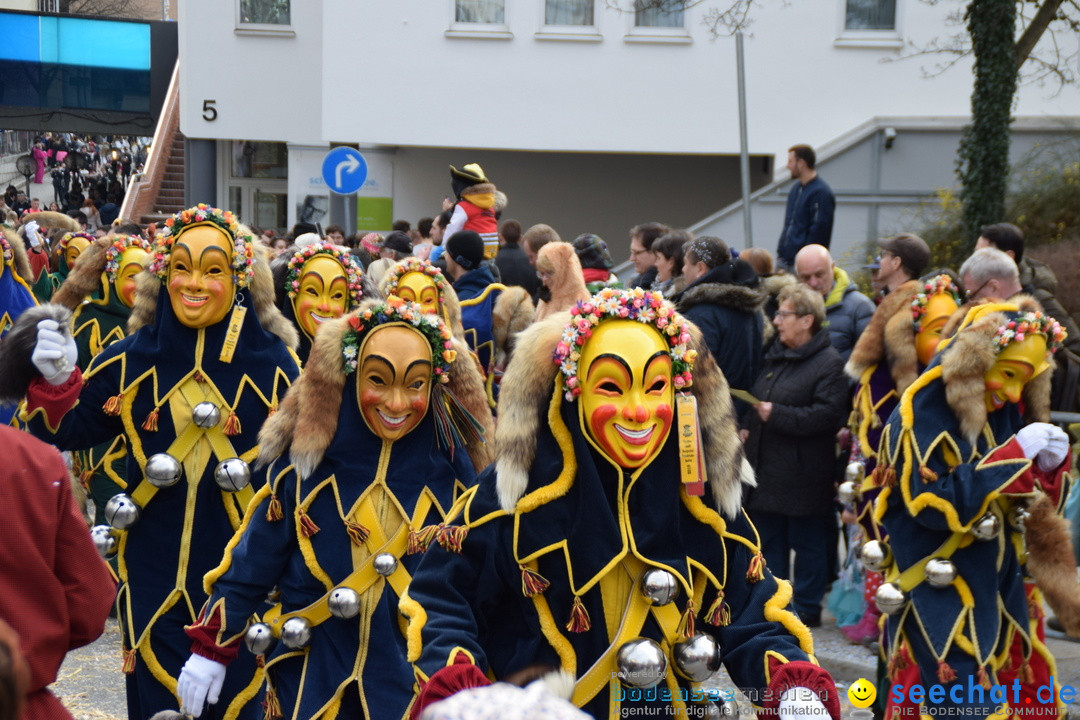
x=492 y=12
x=870 y=15
x=568 y=12
x=659 y=13
x=259 y=160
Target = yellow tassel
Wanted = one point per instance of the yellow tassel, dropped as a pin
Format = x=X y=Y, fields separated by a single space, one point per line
x=199 y=377
x=307 y=525
x=688 y=625
x=271 y=705
x=420 y=539
x=357 y=532
x=756 y=570
x=274 y=511
x=579 y=618
x=128 y=666
x=719 y=613
x=151 y=422
x=927 y=475
x=532 y=582
x=452 y=536
x=1025 y=674
x=112 y=405
x=272 y=410
x=945 y=673
x=983 y=678
x=232 y=424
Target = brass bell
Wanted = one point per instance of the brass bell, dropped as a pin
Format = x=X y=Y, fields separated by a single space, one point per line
x=232 y=474
x=121 y=512
x=659 y=586
x=889 y=598
x=641 y=662
x=987 y=527
x=854 y=473
x=163 y=470
x=296 y=633
x=1018 y=516
x=875 y=556
x=697 y=658
x=344 y=602
x=259 y=638
x=104 y=540
x=385 y=564
x=847 y=492
x=206 y=415
x=940 y=572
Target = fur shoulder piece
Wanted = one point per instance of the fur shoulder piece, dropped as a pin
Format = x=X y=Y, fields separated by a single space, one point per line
x=870 y=347
x=900 y=350
x=16 y=368
x=968 y=356
x=19 y=260
x=478 y=189
x=54 y=221
x=527 y=393
x=737 y=297
x=567 y=284
x=513 y=312
x=953 y=323
x=85 y=277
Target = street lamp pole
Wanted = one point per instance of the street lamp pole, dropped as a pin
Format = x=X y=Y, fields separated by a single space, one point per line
x=744 y=145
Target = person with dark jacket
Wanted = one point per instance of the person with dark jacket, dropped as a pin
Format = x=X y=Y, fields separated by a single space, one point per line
x=723 y=298
x=808 y=218
x=511 y=260
x=790 y=439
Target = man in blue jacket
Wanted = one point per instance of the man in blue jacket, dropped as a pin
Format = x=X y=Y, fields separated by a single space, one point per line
x=810 y=205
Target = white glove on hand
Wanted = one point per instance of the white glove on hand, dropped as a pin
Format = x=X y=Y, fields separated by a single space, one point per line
x=799 y=703
x=199 y=684
x=1057 y=447
x=55 y=353
x=1032 y=438
x=31 y=230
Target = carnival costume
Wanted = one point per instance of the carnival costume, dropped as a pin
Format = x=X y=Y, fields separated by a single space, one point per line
x=585 y=552
x=15 y=298
x=476 y=208
x=368 y=453
x=322 y=282
x=71 y=245
x=189 y=388
x=956 y=469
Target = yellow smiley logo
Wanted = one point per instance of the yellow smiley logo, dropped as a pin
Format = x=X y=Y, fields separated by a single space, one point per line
x=862 y=693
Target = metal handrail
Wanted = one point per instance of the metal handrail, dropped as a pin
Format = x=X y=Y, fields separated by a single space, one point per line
x=141 y=194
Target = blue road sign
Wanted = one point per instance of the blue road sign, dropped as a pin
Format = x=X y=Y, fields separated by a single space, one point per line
x=344 y=170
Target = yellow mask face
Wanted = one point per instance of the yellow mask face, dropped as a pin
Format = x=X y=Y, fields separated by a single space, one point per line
x=74 y=249
x=420 y=289
x=394 y=380
x=627 y=395
x=200 y=280
x=131 y=263
x=938 y=310
x=323 y=293
x=1016 y=364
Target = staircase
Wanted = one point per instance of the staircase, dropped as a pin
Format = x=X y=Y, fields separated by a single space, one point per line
x=170 y=194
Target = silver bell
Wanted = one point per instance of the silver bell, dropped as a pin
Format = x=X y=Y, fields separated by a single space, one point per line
x=104 y=541
x=232 y=474
x=987 y=527
x=939 y=572
x=1018 y=516
x=385 y=564
x=121 y=511
x=296 y=633
x=259 y=638
x=847 y=492
x=697 y=658
x=854 y=473
x=727 y=709
x=889 y=598
x=875 y=555
x=163 y=470
x=659 y=586
x=344 y=603
x=206 y=415
x=641 y=662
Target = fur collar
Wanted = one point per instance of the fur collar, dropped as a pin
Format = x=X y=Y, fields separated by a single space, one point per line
x=19 y=261
x=886 y=339
x=567 y=282
x=737 y=297
x=527 y=393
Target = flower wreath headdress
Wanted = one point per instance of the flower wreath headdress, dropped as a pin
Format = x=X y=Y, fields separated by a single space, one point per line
x=637 y=304
x=353 y=274
x=68 y=237
x=243 y=258
x=119 y=244
x=394 y=309
x=414 y=264
x=1030 y=323
x=8 y=253
x=935 y=286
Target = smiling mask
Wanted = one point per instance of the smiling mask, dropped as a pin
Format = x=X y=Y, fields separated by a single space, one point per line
x=419 y=288
x=323 y=293
x=938 y=309
x=393 y=377
x=1016 y=364
x=200 y=276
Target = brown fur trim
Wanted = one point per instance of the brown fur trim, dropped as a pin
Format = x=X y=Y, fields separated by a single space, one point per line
x=1051 y=562
x=526 y=395
x=478 y=189
x=523 y=401
x=19 y=260
x=567 y=284
x=17 y=370
x=262 y=296
x=48 y=220
x=870 y=347
x=85 y=276
x=467 y=385
x=963 y=367
x=900 y=350
x=513 y=312
x=953 y=323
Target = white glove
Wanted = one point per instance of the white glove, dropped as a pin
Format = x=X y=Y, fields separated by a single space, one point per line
x=55 y=353
x=199 y=684
x=31 y=230
x=1057 y=447
x=799 y=703
x=1032 y=438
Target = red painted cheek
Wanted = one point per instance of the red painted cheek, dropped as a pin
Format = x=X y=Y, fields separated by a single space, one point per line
x=369 y=398
x=665 y=413
x=419 y=405
x=599 y=418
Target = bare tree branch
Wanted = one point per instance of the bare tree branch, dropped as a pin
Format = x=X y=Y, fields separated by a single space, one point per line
x=1035 y=29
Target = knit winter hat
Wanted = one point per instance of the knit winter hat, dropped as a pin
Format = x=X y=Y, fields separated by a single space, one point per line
x=592 y=251
x=466 y=247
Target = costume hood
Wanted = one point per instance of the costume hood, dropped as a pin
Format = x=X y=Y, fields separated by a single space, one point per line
x=567 y=283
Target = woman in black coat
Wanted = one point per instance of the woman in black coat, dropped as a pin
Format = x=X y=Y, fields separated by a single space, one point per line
x=790 y=438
